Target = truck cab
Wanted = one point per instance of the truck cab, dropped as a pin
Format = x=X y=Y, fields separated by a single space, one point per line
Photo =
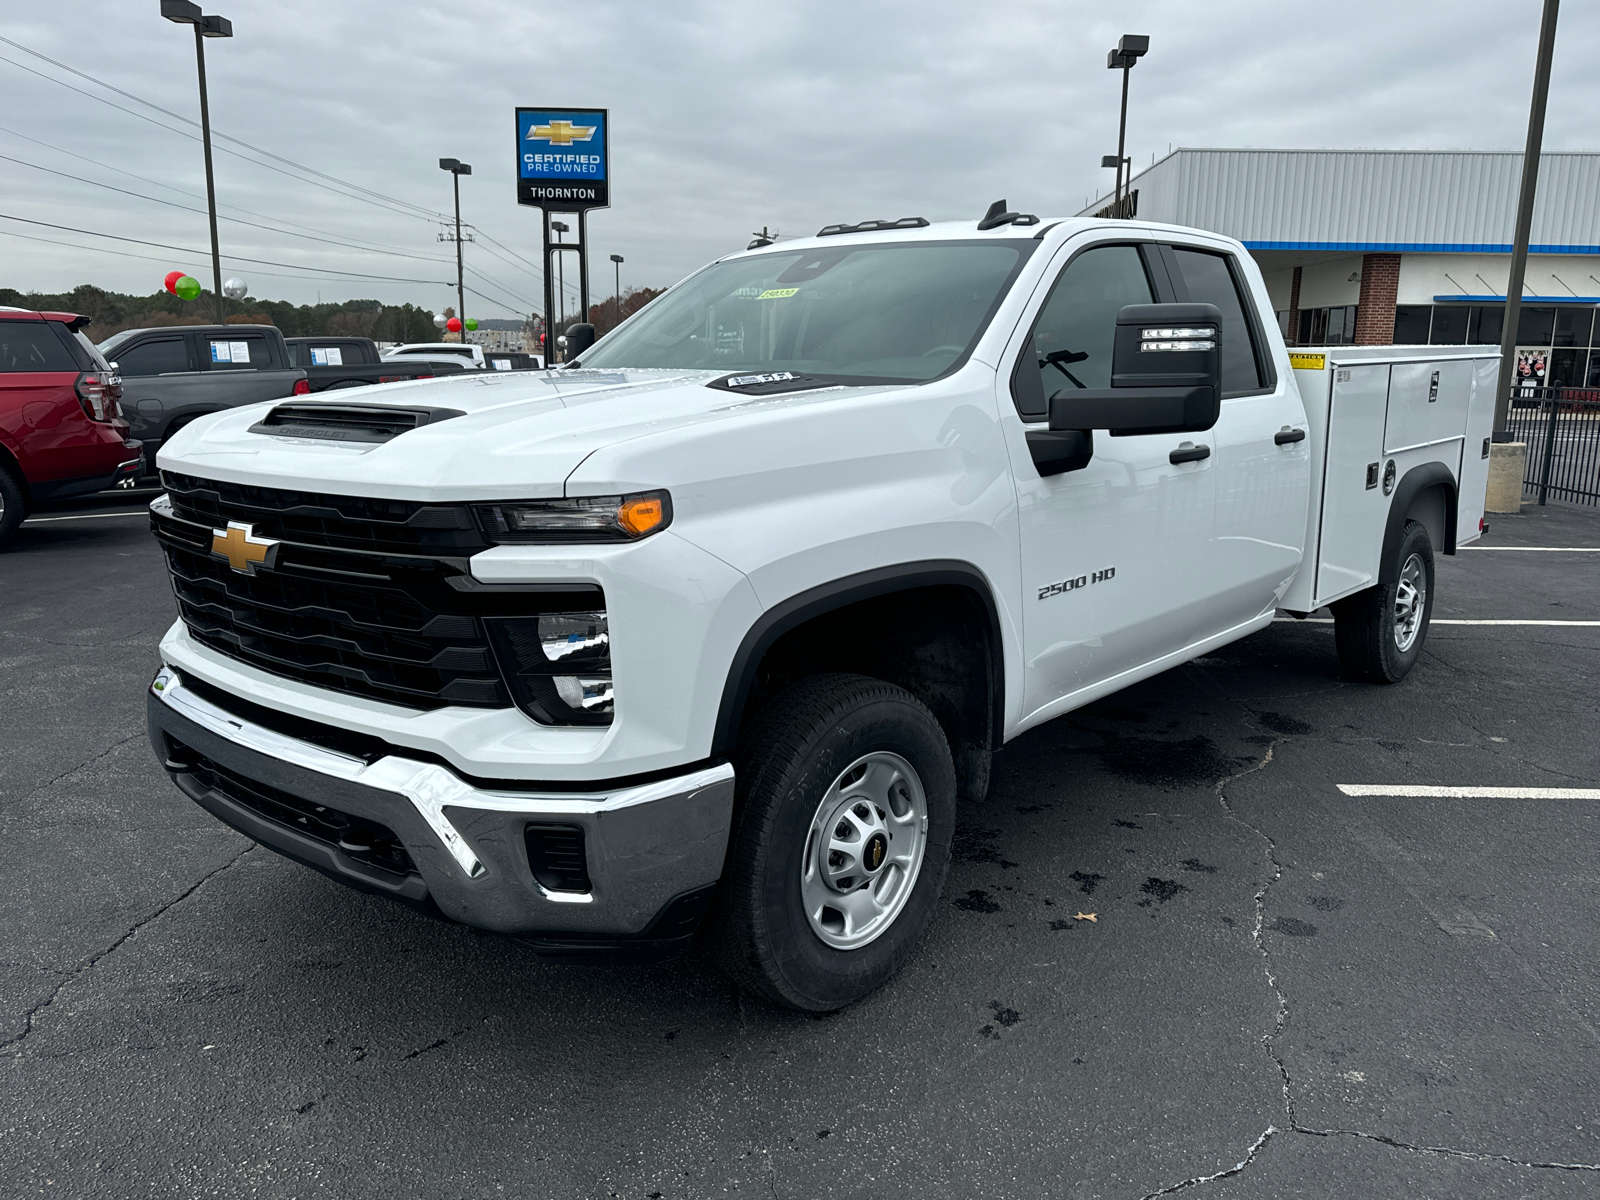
x=718 y=622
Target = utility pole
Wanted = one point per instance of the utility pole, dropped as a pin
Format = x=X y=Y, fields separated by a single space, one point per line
x=1519 y=248
x=457 y=169
x=183 y=12
x=1130 y=48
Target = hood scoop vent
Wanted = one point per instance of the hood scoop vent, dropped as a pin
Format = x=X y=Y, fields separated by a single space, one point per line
x=348 y=422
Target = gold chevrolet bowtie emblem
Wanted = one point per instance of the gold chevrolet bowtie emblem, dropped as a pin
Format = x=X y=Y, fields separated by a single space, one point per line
x=561 y=133
x=242 y=548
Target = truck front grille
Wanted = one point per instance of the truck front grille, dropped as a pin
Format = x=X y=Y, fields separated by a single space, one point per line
x=404 y=629
x=335 y=522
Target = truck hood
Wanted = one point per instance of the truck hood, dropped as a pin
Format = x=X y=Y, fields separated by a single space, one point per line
x=521 y=434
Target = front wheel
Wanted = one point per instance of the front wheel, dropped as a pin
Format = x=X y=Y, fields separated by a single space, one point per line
x=847 y=800
x=1379 y=632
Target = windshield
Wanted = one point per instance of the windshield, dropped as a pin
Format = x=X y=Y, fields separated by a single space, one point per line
x=869 y=314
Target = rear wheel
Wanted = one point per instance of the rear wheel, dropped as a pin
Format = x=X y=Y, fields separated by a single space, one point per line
x=847 y=801
x=13 y=504
x=1379 y=632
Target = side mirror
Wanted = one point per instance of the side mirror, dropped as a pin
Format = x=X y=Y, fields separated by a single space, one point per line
x=1166 y=375
x=579 y=338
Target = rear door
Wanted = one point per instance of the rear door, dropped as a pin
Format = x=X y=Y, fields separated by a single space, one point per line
x=1110 y=553
x=1260 y=449
x=160 y=379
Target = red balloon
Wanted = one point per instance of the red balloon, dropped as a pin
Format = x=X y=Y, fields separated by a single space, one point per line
x=453 y=324
x=172 y=280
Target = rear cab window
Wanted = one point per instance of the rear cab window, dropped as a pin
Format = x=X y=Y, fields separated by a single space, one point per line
x=1212 y=277
x=236 y=352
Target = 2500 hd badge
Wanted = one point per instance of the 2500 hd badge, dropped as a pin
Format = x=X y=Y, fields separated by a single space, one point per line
x=1072 y=585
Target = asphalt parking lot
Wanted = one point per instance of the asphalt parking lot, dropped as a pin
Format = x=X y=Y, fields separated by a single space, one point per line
x=1174 y=956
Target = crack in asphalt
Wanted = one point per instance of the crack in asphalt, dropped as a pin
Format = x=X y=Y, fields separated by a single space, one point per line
x=1195 y=1181
x=32 y=792
x=89 y=963
x=1281 y=1017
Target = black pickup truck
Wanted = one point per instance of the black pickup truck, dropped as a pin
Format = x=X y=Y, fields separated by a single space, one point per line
x=174 y=374
x=347 y=362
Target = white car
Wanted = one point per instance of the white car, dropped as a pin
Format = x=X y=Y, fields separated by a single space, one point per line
x=472 y=354
x=720 y=620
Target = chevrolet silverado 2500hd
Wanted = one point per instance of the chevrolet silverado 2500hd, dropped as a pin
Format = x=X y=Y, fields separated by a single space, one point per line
x=719 y=621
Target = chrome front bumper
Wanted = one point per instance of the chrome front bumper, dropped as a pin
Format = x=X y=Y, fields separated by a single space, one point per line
x=653 y=850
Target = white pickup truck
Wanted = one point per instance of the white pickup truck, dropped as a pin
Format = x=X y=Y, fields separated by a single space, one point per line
x=715 y=625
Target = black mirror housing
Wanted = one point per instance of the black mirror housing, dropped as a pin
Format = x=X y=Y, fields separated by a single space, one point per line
x=580 y=337
x=1166 y=375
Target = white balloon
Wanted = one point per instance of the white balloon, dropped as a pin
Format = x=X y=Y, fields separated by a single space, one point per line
x=235 y=288
x=439 y=321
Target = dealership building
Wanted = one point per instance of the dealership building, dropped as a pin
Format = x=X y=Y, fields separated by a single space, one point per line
x=1376 y=246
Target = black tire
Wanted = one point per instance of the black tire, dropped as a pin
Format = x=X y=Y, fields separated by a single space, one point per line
x=13 y=504
x=800 y=743
x=1366 y=626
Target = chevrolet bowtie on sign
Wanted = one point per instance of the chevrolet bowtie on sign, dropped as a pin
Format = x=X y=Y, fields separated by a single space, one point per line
x=242 y=549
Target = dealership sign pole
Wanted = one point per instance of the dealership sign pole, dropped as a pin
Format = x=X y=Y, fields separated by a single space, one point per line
x=563 y=167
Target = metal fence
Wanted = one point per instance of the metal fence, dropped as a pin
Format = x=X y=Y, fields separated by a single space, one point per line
x=1562 y=429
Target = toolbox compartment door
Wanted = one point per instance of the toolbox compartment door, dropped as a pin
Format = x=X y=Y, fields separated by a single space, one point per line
x=1353 y=513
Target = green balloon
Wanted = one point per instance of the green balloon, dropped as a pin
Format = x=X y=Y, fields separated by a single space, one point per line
x=187 y=288
x=472 y=322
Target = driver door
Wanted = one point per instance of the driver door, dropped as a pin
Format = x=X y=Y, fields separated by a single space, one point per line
x=1112 y=554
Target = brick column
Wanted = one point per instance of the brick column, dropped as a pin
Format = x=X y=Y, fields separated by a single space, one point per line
x=1380 y=283
x=1293 y=335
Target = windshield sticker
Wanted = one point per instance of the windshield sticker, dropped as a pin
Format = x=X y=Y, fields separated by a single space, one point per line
x=221 y=351
x=777 y=293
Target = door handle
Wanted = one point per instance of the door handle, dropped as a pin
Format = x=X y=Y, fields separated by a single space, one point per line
x=1287 y=436
x=1185 y=454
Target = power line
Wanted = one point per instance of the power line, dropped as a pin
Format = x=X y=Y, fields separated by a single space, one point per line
x=236 y=141
x=28 y=237
x=570 y=287
x=235 y=257
x=235 y=220
x=223 y=149
x=169 y=187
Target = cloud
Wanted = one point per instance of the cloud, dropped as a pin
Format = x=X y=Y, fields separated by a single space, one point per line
x=725 y=117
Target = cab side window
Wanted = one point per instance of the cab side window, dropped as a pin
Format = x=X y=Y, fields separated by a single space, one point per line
x=1071 y=343
x=1211 y=280
x=155 y=356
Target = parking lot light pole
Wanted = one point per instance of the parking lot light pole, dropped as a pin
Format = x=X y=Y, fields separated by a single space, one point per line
x=1519 y=247
x=457 y=169
x=1130 y=48
x=616 y=307
x=560 y=228
x=183 y=12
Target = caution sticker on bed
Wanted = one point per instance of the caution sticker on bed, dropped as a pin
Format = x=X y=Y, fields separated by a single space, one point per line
x=1308 y=362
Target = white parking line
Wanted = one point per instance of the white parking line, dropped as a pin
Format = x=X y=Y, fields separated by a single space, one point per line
x=1542 y=549
x=85 y=517
x=1442 y=621
x=1418 y=791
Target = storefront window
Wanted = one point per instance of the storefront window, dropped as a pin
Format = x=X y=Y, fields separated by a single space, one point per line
x=1411 y=324
x=1573 y=325
x=1449 y=325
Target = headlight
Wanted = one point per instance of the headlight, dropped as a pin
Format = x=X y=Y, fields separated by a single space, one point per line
x=584 y=519
x=558 y=665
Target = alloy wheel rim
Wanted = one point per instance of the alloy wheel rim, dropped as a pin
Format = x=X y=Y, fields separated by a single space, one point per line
x=1410 y=599
x=864 y=850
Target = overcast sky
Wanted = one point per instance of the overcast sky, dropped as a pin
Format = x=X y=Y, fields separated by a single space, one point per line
x=724 y=117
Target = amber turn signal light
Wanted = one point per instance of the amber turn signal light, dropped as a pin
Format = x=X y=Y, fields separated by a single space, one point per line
x=640 y=514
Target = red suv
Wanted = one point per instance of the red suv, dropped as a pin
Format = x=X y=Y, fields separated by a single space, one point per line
x=61 y=431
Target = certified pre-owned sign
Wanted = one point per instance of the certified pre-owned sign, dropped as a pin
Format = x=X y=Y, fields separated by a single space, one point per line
x=561 y=158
